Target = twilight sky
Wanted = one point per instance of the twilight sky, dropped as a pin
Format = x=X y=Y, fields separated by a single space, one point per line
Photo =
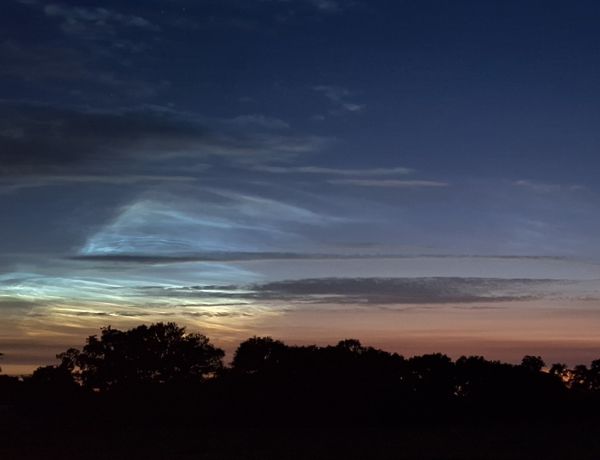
x=421 y=175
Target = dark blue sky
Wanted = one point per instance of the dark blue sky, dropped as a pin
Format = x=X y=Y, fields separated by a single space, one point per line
x=138 y=139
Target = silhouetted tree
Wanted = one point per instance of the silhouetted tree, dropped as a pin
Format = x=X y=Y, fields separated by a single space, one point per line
x=53 y=378
x=258 y=354
x=474 y=375
x=579 y=378
x=68 y=359
x=432 y=375
x=560 y=371
x=159 y=353
x=532 y=363
x=351 y=345
x=593 y=376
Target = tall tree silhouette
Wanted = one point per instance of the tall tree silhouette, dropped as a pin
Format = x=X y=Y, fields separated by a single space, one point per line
x=159 y=353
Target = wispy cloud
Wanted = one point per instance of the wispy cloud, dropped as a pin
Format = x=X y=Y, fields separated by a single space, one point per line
x=325 y=6
x=544 y=187
x=260 y=121
x=70 y=66
x=333 y=171
x=208 y=221
x=236 y=256
x=84 y=39
x=50 y=140
x=93 y=22
x=15 y=183
x=389 y=183
x=377 y=291
x=39 y=61
x=339 y=96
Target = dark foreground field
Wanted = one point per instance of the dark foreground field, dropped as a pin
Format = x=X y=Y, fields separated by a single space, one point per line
x=35 y=436
x=295 y=421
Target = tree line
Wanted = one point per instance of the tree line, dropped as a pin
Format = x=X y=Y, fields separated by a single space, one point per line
x=166 y=354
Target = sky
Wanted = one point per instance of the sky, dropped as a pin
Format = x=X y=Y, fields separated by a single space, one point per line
x=420 y=175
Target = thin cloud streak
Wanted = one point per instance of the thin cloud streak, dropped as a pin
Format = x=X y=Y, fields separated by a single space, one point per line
x=36 y=181
x=333 y=171
x=387 y=291
x=231 y=256
x=389 y=183
x=543 y=187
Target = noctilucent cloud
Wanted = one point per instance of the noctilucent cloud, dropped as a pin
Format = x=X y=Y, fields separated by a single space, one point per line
x=420 y=175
